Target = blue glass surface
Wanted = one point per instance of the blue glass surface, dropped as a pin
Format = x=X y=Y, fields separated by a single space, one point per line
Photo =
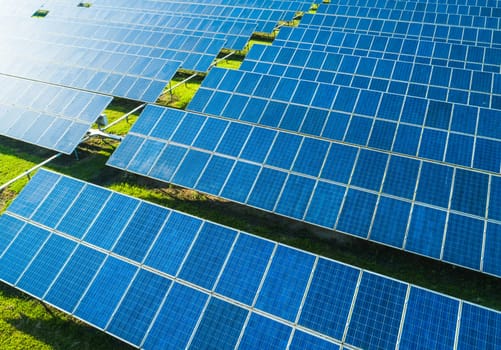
x=140 y=232
x=146 y=156
x=111 y=221
x=325 y=203
x=382 y=134
x=220 y=326
x=329 y=298
x=173 y=243
x=311 y=156
x=234 y=139
x=359 y=130
x=284 y=150
x=167 y=125
x=215 y=174
x=426 y=231
x=435 y=182
x=487 y=155
x=9 y=226
x=377 y=313
x=302 y=341
x=479 y=328
x=314 y=121
x=20 y=252
x=369 y=170
x=207 y=256
x=401 y=177
x=430 y=321
x=390 y=107
x=368 y=102
x=245 y=268
x=240 y=182
x=211 y=133
x=267 y=188
x=137 y=309
x=55 y=204
x=34 y=193
x=105 y=292
x=488 y=123
x=285 y=283
x=438 y=115
x=258 y=144
x=175 y=319
x=264 y=333
x=357 y=212
x=188 y=129
x=45 y=266
x=168 y=162
x=463 y=244
x=470 y=192
x=125 y=152
x=407 y=139
x=147 y=120
x=83 y=211
x=432 y=144
x=295 y=196
x=339 y=163
x=390 y=222
x=74 y=278
x=190 y=169
x=495 y=197
x=459 y=149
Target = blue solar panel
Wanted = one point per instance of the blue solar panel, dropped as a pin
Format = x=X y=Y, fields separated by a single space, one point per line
x=44 y=268
x=207 y=255
x=175 y=319
x=220 y=326
x=430 y=321
x=72 y=280
x=390 y=221
x=471 y=335
x=107 y=226
x=138 y=307
x=245 y=269
x=377 y=313
x=328 y=302
x=100 y=300
x=48 y=116
x=229 y=169
x=13 y=262
x=138 y=236
x=170 y=248
x=264 y=333
x=285 y=283
x=232 y=288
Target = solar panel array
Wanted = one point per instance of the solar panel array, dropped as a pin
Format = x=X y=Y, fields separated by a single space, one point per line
x=49 y=116
x=441 y=211
x=66 y=242
x=126 y=50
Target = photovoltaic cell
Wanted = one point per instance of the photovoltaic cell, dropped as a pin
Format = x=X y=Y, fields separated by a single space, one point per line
x=232 y=289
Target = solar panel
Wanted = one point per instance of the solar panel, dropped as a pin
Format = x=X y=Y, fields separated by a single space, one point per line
x=200 y=284
x=365 y=116
x=45 y=115
x=380 y=196
x=88 y=69
x=425 y=51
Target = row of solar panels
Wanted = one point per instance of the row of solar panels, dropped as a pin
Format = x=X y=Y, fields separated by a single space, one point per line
x=425 y=207
x=448 y=54
x=417 y=126
x=472 y=8
x=46 y=115
x=182 y=282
